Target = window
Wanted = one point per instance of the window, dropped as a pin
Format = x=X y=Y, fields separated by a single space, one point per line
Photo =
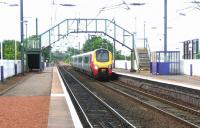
x=80 y=59
x=86 y=59
x=102 y=55
x=75 y=60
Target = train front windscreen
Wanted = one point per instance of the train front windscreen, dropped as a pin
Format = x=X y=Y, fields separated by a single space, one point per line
x=102 y=55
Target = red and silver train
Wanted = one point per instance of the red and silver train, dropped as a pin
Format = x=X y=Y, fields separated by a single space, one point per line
x=97 y=63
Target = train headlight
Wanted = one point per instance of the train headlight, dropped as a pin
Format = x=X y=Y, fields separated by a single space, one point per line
x=96 y=67
x=110 y=66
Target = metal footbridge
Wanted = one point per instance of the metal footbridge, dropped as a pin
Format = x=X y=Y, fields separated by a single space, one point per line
x=103 y=26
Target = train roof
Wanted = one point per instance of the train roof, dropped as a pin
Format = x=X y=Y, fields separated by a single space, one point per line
x=83 y=54
x=87 y=53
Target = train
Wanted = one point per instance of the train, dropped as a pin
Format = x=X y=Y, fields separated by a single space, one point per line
x=96 y=63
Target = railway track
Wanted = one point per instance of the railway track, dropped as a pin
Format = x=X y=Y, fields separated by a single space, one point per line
x=93 y=111
x=186 y=115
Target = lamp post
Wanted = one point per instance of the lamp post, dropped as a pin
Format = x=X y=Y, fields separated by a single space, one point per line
x=165 y=26
x=144 y=34
x=15 y=50
x=1 y=50
x=26 y=29
x=22 y=36
x=79 y=45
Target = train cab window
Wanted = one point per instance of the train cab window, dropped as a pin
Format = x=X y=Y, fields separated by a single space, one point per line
x=102 y=55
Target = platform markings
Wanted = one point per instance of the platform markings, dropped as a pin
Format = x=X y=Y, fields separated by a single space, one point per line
x=75 y=118
x=172 y=82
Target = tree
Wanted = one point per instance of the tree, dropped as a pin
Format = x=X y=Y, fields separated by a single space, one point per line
x=46 y=53
x=70 y=52
x=98 y=42
x=95 y=43
x=198 y=56
x=58 y=56
x=9 y=49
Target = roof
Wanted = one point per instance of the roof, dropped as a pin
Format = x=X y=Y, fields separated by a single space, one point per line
x=87 y=53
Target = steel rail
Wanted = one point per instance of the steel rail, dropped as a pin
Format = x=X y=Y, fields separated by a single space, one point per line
x=151 y=106
x=125 y=122
x=191 y=110
x=75 y=99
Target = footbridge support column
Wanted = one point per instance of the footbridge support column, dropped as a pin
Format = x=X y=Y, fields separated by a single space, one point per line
x=133 y=55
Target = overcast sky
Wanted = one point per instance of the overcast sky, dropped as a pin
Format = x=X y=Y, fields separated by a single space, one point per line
x=181 y=27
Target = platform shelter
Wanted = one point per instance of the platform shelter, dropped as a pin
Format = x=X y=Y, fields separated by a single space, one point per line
x=165 y=63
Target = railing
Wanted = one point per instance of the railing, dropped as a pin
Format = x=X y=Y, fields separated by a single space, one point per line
x=148 y=50
x=33 y=43
x=136 y=56
x=107 y=27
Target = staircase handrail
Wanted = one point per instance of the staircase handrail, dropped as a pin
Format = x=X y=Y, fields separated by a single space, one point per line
x=148 y=50
x=136 y=57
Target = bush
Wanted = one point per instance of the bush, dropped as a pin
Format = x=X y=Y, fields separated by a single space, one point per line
x=198 y=56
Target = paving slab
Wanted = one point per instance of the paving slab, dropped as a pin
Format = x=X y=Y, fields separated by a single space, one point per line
x=181 y=80
x=37 y=102
x=39 y=84
x=59 y=114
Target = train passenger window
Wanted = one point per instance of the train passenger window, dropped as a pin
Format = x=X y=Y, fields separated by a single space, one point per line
x=75 y=60
x=86 y=59
x=80 y=59
x=102 y=55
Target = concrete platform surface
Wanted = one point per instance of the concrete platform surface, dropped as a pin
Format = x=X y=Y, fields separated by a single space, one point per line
x=180 y=80
x=62 y=113
x=38 y=102
x=39 y=84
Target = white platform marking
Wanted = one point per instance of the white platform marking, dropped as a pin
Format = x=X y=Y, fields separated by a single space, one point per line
x=187 y=85
x=75 y=118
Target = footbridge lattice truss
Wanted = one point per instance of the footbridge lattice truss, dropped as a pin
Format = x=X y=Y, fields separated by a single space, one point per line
x=104 y=26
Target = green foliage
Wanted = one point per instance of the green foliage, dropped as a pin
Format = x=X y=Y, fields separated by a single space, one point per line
x=198 y=56
x=72 y=51
x=58 y=56
x=119 y=56
x=98 y=42
x=9 y=49
x=95 y=43
x=46 y=53
x=90 y=45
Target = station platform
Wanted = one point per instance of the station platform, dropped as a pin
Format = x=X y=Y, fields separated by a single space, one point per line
x=39 y=101
x=192 y=82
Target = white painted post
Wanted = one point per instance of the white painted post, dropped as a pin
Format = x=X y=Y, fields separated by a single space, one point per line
x=15 y=51
x=1 y=50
